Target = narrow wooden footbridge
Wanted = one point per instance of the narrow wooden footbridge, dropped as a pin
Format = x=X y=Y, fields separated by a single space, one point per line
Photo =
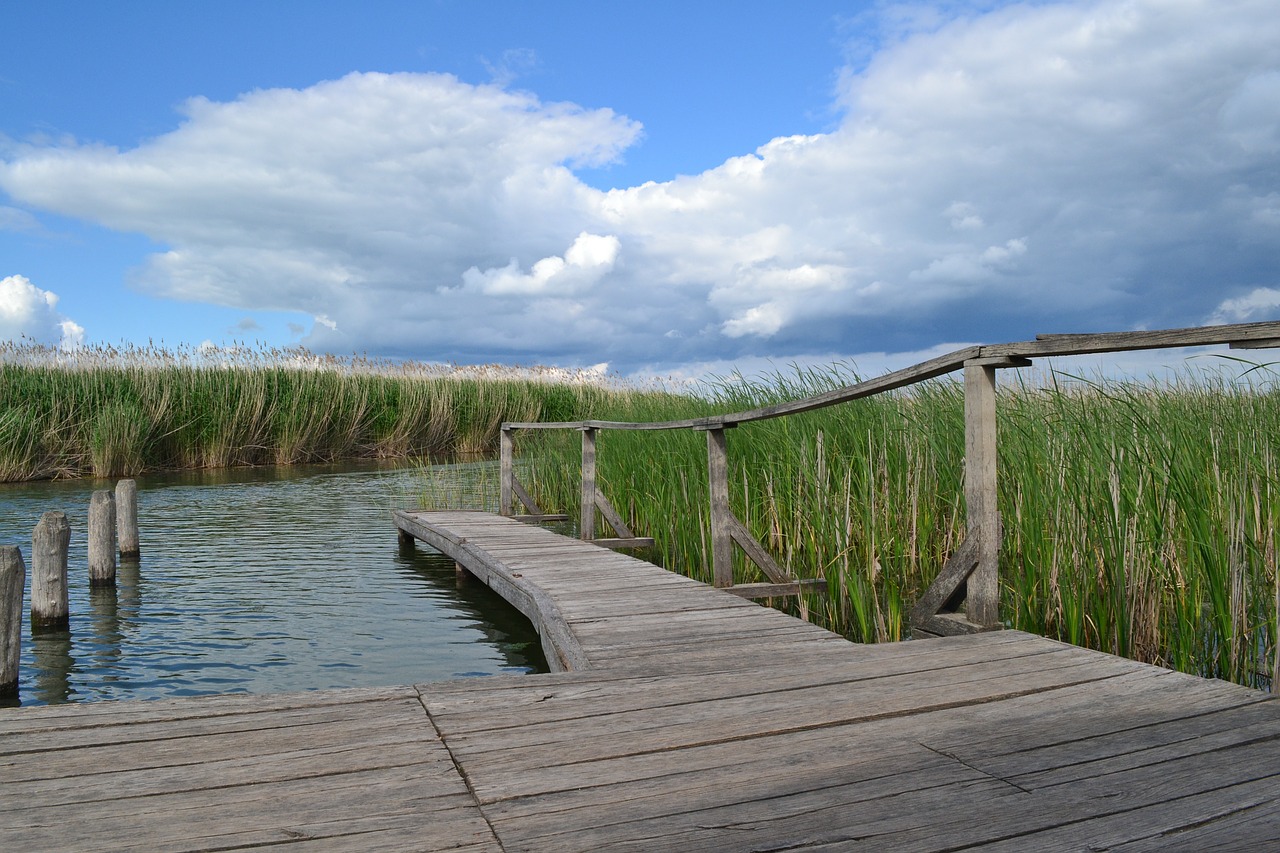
x=685 y=717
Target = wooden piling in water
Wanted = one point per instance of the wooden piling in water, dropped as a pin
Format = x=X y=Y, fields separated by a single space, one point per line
x=102 y=539
x=49 y=544
x=13 y=578
x=127 y=517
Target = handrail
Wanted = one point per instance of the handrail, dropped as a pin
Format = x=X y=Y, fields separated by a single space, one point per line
x=1043 y=346
x=971 y=573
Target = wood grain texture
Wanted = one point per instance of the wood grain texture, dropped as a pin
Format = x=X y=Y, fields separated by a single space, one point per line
x=587 y=514
x=506 y=471
x=126 y=497
x=13 y=579
x=1016 y=354
x=693 y=720
x=50 y=542
x=982 y=587
x=102 y=538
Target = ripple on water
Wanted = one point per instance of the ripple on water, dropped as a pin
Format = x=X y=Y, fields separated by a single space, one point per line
x=259 y=582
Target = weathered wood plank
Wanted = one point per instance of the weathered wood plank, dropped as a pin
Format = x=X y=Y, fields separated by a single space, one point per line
x=777 y=590
x=721 y=531
x=587 y=515
x=982 y=598
x=616 y=543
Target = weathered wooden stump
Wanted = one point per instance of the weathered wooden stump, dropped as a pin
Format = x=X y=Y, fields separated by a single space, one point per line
x=13 y=578
x=49 y=544
x=127 y=517
x=102 y=539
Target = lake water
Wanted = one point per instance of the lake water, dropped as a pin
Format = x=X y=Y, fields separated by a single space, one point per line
x=261 y=580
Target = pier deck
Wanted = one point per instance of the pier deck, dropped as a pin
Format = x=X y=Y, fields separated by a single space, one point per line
x=688 y=719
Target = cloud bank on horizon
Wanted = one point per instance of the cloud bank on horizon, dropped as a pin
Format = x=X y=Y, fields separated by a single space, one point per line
x=1074 y=166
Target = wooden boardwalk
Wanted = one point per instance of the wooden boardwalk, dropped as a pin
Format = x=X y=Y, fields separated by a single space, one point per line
x=690 y=719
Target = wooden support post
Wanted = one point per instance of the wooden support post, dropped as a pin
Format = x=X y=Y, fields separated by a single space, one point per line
x=507 y=473
x=127 y=518
x=102 y=539
x=13 y=579
x=721 y=517
x=982 y=600
x=405 y=538
x=49 y=544
x=587 y=517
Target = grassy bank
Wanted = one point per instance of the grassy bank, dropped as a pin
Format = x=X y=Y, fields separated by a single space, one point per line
x=1139 y=520
x=107 y=412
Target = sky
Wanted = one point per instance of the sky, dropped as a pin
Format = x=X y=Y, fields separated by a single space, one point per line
x=652 y=189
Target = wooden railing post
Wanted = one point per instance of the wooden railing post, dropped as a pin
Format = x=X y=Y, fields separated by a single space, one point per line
x=506 y=472
x=587 y=517
x=721 y=530
x=982 y=603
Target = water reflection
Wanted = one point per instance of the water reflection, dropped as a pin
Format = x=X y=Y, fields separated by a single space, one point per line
x=255 y=582
x=51 y=651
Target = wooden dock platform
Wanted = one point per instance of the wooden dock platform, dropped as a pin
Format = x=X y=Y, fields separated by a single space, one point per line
x=685 y=718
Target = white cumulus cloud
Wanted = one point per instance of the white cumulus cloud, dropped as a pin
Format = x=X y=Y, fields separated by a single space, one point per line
x=589 y=259
x=30 y=312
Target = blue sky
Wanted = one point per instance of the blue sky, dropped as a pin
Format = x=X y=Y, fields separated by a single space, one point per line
x=664 y=188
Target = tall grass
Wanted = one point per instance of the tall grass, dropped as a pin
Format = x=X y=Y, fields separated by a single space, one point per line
x=118 y=412
x=1139 y=519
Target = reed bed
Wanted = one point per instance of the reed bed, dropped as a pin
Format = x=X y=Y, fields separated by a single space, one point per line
x=111 y=412
x=1140 y=519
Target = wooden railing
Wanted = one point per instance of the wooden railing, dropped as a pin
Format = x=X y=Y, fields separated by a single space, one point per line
x=965 y=595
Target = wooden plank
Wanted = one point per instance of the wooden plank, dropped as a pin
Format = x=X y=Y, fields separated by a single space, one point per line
x=946 y=625
x=1264 y=343
x=955 y=572
x=756 y=552
x=777 y=590
x=538 y=519
x=530 y=505
x=611 y=515
x=53 y=718
x=1079 y=344
x=632 y=542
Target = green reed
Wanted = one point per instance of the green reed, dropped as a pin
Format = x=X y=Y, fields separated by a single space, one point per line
x=118 y=412
x=1140 y=519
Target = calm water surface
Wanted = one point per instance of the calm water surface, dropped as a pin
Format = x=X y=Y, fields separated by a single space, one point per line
x=259 y=581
